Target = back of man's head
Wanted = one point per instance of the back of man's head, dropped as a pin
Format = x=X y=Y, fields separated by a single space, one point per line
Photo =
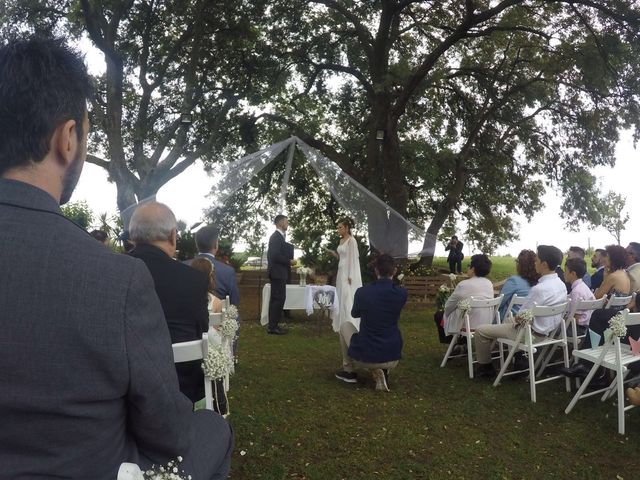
x=576 y=252
x=384 y=265
x=152 y=222
x=43 y=84
x=551 y=255
x=634 y=250
x=576 y=265
x=207 y=239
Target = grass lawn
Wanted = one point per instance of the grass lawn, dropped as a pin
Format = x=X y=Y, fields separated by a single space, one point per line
x=294 y=420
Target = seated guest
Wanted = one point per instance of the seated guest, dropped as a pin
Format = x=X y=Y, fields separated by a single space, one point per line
x=574 y=270
x=378 y=344
x=578 y=252
x=633 y=260
x=597 y=262
x=205 y=266
x=616 y=281
x=519 y=284
x=181 y=289
x=87 y=377
x=549 y=291
x=477 y=286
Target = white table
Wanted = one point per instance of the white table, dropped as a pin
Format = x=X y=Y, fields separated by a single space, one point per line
x=297 y=300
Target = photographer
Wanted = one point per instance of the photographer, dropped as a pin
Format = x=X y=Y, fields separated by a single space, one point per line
x=455 y=255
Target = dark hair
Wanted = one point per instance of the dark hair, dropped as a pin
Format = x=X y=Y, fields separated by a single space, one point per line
x=278 y=218
x=99 y=235
x=384 y=264
x=204 y=265
x=526 y=267
x=617 y=257
x=347 y=222
x=551 y=255
x=579 y=250
x=576 y=265
x=43 y=83
x=635 y=250
x=207 y=238
x=602 y=251
x=481 y=264
x=454 y=236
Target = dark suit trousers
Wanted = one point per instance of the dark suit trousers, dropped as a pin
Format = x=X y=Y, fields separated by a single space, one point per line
x=276 y=302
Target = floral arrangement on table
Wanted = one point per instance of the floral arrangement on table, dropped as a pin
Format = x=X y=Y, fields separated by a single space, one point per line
x=229 y=326
x=523 y=318
x=303 y=272
x=444 y=292
x=617 y=326
x=170 y=471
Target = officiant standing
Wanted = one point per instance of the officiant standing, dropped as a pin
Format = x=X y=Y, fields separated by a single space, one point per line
x=280 y=259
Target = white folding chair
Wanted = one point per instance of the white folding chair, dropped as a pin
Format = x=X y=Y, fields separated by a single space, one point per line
x=619 y=301
x=612 y=355
x=195 y=350
x=515 y=300
x=581 y=306
x=129 y=471
x=524 y=342
x=467 y=331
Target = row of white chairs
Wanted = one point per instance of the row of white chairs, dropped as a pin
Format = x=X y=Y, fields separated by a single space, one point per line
x=613 y=355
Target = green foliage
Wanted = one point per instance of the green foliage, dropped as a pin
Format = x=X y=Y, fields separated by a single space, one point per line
x=612 y=215
x=185 y=245
x=79 y=213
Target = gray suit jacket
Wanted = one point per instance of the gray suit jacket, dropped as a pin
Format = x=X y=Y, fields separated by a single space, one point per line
x=87 y=378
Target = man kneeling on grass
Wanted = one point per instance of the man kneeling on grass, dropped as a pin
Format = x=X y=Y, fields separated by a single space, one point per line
x=378 y=344
x=550 y=290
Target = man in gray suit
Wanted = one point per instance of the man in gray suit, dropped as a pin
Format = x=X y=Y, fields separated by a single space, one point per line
x=87 y=379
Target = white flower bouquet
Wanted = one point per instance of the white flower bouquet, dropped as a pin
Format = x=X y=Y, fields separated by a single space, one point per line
x=229 y=326
x=170 y=471
x=464 y=305
x=304 y=271
x=617 y=326
x=523 y=318
x=218 y=363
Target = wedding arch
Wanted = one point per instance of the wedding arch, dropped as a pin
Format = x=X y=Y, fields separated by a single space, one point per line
x=387 y=230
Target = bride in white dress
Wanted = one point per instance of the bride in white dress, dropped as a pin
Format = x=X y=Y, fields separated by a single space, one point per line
x=348 y=279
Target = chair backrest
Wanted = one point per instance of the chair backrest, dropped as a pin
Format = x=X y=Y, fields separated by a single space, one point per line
x=619 y=301
x=632 y=318
x=215 y=319
x=515 y=300
x=549 y=310
x=585 y=305
x=475 y=303
x=189 y=351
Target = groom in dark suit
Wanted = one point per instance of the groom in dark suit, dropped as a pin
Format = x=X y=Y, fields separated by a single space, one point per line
x=280 y=258
x=87 y=379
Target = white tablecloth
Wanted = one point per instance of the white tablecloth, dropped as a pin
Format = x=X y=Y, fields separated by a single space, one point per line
x=298 y=298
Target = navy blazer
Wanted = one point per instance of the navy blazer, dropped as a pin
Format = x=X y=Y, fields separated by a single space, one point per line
x=279 y=256
x=182 y=291
x=597 y=278
x=378 y=305
x=226 y=281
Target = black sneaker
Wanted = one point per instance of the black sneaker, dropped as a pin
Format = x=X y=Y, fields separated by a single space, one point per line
x=349 y=377
x=520 y=362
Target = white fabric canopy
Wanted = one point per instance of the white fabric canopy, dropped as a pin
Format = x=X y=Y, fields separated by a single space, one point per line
x=388 y=231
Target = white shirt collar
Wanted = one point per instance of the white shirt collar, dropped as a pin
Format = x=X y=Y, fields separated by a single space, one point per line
x=548 y=276
x=282 y=232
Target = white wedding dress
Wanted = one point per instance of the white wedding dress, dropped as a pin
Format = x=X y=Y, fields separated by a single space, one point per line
x=348 y=267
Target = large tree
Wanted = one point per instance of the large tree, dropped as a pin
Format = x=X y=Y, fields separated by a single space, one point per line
x=176 y=77
x=480 y=104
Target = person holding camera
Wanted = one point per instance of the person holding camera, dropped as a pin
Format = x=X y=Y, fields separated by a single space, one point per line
x=455 y=255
